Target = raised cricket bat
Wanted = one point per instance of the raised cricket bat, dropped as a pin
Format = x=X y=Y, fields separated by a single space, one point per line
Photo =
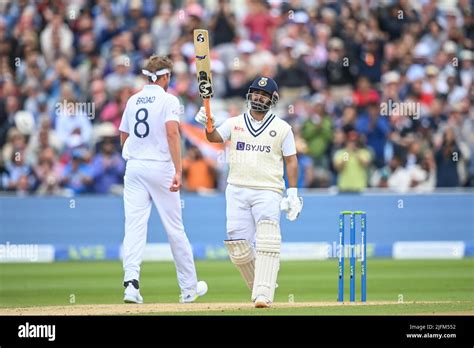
x=203 y=71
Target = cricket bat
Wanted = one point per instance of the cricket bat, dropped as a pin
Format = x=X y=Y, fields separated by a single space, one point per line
x=203 y=71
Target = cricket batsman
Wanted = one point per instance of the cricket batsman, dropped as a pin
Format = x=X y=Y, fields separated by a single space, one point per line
x=259 y=144
x=149 y=135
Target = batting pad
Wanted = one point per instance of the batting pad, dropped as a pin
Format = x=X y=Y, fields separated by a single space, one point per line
x=267 y=261
x=242 y=256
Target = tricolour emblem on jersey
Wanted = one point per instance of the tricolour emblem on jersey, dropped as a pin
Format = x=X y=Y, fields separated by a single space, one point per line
x=263 y=82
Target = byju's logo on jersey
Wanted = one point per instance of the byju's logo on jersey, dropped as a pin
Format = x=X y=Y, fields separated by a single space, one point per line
x=241 y=146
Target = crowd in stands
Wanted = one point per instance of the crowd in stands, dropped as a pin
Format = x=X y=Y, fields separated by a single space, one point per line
x=379 y=93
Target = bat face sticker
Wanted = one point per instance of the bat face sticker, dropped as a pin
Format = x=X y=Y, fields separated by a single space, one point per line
x=201 y=57
x=200 y=38
x=205 y=85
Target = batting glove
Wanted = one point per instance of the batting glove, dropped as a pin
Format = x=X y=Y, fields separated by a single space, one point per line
x=292 y=204
x=201 y=117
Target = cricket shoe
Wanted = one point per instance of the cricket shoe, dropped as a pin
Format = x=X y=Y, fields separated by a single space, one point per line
x=189 y=296
x=262 y=302
x=132 y=292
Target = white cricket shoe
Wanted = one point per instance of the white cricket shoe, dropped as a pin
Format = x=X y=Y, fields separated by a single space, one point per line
x=132 y=295
x=262 y=302
x=189 y=296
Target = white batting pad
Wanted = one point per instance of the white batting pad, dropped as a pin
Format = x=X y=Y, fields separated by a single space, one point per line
x=242 y=256
x=267 y=261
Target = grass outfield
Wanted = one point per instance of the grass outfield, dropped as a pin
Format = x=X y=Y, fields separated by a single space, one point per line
x=425 y=286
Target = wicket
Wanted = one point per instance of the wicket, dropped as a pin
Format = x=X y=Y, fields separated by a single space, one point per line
x=352 y=255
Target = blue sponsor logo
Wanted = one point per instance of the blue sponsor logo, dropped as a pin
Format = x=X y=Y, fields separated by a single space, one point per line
x=241 y=146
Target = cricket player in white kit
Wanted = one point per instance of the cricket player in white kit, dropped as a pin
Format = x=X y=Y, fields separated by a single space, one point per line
x=149 y=134
x=259 y=144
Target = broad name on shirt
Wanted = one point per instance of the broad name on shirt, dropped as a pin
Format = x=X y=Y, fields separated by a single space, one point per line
x=145 y=100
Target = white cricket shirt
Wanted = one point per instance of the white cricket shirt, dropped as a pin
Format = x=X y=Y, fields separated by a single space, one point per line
x=256 y=151
x=144 y=120
x=288 y=146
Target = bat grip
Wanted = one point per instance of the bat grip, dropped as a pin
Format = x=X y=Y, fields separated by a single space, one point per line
x=207 y=106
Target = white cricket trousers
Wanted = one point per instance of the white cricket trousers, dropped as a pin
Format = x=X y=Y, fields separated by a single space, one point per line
x=246 y=207
x=147 y=181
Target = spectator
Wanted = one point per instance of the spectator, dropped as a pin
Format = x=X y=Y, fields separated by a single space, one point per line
x=351 y=163
x=11 y=106
x=467 y=68
x=48 y=172
x=262 y=61
x=20 y=177
x=73 y=126
x=198 y=172
x=236 y=83
x=398 y=178
x=61 y=82
x=414 y=156
x=305 y=164
x=77 y=175
x=376 y=128
x=391 y=21
x=165 y=29
x=56 y=40
x=434 y=37
x=121 y=77
x=145 y=49
x=338 y=71
x=426 y=181
x=395 y=176
x=112 y=112
x=292 y=73
x=260 y=23
x=46 y=138
x=317 y=132
x=223 y=24
x=98 y=97
x=447 y=158
x=370 y=55
x=108 y=167
x=364 y=94
x=391 y=87
x=16 y=141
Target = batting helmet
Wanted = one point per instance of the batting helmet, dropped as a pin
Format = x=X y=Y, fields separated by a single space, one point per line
x=262 y=101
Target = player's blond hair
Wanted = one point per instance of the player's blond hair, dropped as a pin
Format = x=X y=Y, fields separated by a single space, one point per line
x=156 y=63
